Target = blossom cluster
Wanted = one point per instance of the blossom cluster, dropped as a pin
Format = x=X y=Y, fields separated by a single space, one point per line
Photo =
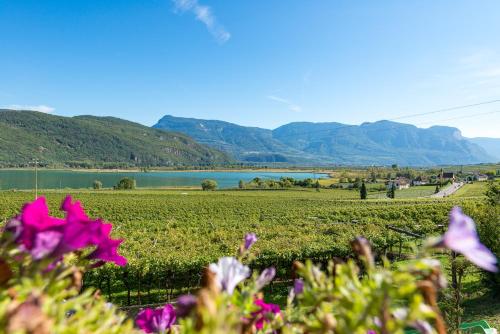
x=47 y=237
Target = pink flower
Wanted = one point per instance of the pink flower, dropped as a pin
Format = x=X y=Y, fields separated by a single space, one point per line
x=107 y=251
x=462 y=237
x=36 y=231
x=83 y=232
x=44 y=236
x=265 y=314
x=156 y=320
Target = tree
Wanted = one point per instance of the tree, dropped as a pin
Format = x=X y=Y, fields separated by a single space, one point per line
x=209 y=185
x=241 y=184
x=392 y=191
x=97 y=184
x=493 y=193
x=362 y=191
x=126 y=184
x=437 y=189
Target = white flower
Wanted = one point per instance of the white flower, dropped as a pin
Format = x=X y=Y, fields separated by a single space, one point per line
x=229 y=272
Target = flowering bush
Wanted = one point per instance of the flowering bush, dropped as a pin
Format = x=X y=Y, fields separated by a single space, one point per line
x=42 y=259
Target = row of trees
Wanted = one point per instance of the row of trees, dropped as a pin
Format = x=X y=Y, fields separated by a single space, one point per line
x=283 y=182
x=124 y=184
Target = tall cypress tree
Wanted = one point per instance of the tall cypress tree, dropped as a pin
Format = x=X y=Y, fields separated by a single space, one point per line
x=362 y=191
x=392 y=191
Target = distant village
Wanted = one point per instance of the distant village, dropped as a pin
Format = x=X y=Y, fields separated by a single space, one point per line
x=441 y=179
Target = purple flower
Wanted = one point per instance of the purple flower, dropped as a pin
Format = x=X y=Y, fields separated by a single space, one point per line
x=462 y=237
x=45 y=243
x=185 y=304
x=229 y=272
x=298 y=286
x=156 y=320
x=250 y=239
x=265 y=277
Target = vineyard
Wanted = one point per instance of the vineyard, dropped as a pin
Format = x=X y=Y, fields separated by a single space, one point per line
x=170 y=235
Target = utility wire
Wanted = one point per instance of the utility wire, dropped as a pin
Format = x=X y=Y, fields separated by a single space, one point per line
x=343 y=126
x=445 y=109
x=462 y=117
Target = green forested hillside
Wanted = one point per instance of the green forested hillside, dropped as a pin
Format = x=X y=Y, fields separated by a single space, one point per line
x=88 y=141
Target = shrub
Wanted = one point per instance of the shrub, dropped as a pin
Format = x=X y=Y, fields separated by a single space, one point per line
x=126 y=184
x=209 y=185
x=97 y=185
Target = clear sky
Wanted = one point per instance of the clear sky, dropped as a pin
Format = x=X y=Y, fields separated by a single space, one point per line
x=261 y=63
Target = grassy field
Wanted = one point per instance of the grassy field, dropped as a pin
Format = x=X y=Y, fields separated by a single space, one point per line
x=412 y=192
x=476 y=189
x=168 y=231
x=186 y=228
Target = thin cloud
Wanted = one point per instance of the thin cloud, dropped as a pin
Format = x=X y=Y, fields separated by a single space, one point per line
x=291 y=106
x=39 y=108
x=205 y=15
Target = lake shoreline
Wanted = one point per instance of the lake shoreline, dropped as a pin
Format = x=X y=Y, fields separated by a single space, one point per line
x=138 y=170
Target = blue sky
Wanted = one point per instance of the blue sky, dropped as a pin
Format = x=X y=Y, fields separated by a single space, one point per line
x=260 y=63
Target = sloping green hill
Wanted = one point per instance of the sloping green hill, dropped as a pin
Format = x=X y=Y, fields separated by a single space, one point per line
x=94 y=141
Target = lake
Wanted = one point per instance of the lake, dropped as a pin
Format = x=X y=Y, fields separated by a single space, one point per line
x=60 y=179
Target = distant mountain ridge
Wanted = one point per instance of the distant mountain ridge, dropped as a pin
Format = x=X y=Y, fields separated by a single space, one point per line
x=379 y=143
x=490 y=145
x=245 y=143
x=94 y=141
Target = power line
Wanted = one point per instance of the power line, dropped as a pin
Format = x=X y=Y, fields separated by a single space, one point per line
x=343 y=126
x=462 y=117
x=445 y=109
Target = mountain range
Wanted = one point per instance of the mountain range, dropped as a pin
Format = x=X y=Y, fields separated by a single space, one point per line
x=490 y=145
x=94 y=141
x=90 y=141
x=377 y=143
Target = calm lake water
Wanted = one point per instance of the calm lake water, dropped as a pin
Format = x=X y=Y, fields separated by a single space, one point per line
x=59 y=179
